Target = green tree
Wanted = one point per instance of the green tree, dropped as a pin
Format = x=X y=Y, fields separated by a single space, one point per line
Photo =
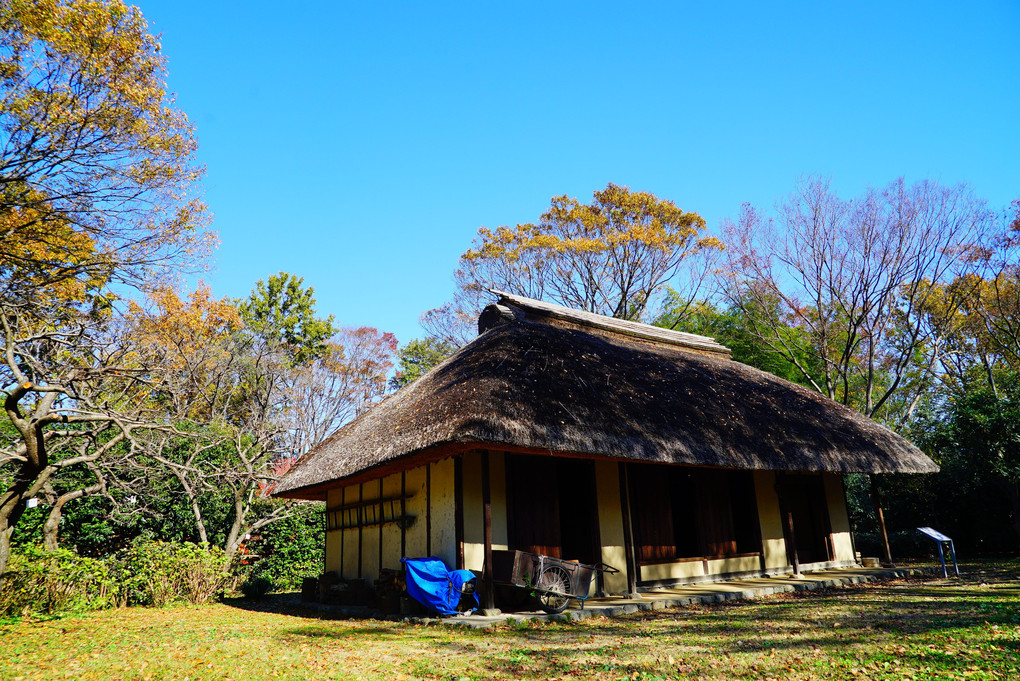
x=975 y=498
x=731 y=327
x=282 y=310
x=418 y=357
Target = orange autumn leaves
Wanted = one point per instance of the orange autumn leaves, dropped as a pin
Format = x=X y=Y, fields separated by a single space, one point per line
x=609 y=256
x=97 y=168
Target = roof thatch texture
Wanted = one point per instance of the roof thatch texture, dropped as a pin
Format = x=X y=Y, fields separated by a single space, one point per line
x=618 y=327
x=537 y=385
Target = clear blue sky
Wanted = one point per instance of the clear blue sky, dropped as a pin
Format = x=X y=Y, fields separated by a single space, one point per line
x=361 y=145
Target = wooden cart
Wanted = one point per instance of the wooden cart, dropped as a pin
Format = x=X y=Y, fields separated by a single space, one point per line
x=552 y=580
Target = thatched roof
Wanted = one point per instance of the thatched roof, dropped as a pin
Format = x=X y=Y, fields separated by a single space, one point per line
x=596 y=323
x=529 y=382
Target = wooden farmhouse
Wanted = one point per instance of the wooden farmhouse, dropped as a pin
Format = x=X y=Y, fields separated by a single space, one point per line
x=589 y=438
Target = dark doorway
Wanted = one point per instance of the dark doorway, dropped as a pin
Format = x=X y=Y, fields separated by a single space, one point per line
x=803 y=495
x=682 y=512
x=551 y=507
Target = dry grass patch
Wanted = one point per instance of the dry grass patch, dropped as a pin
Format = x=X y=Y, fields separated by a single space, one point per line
x=909 y=629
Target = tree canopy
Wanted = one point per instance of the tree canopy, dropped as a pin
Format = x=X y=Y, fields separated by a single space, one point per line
x=611 y=256
x=282 y=310
x=97 y=168
x=97 y=187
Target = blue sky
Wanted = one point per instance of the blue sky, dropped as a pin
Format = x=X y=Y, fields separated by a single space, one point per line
x=361 y=145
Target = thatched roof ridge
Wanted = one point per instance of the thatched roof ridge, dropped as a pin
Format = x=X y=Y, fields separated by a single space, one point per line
x=526 y=384
x=615 y=326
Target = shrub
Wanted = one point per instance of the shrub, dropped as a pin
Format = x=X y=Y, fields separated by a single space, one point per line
x=53 y=581
x=158 y=573
x=289 y=550
x=257 y=587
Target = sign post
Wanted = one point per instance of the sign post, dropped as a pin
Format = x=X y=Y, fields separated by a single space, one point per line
x=941 y=539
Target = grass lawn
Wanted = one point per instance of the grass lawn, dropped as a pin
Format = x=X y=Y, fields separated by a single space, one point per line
x=910 y=629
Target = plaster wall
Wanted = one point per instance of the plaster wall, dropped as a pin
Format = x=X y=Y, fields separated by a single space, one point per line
x=839 y=520
x=350 y=566
x=770 y=520
x=370 y=536
x=334 y=498
x=722 y=566
x=390 y=532
x=342 y=546
x=444 y=533
x=670 y=571
x=416 y=506
x=607 y=493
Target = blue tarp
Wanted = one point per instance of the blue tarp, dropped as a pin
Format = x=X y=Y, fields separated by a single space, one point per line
x=435 y=586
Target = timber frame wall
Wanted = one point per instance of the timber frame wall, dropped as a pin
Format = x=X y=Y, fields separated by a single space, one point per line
x=437 y=509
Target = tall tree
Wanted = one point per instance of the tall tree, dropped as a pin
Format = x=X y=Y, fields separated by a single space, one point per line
x=418 y=357
x=97 y=178
x=611 y=257
x=282 y=311
x=857 y=276
x=242 y=409
x=336 y=386
x=96 y=165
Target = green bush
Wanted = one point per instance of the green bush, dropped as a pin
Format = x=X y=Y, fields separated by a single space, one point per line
x=146 y=573
x=289 y=550
x=159 y=573
x=257 y=587
x=55 y=581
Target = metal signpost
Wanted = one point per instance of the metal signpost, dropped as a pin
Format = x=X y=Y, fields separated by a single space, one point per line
x=941 y=539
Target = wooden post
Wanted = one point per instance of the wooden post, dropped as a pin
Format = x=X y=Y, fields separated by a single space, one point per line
x=342 y=533
x=361 y=526
x=458 y=508
x=379 y=519
x=596 y=540
x=793 y=543
x=403 y=514
x=428 y=509
x=876 y=499
x=488 y=593
x=628 y=536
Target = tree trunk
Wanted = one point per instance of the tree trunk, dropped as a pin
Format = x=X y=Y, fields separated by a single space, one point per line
x=52 y=524
x=29 y=477
x=203 y=536
x=236 y=535
x=5 y=549
x=196 y=511
x=876 y=499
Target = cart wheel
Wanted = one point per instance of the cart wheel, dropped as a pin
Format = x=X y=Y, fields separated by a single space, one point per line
x=553 y=586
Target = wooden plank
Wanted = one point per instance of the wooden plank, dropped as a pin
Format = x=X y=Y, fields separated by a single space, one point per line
x=428 y=509
x=403 y=513
x=628 y=535
x=370 y=502
x=488 y=593
x=458 y=508
x=379 y=520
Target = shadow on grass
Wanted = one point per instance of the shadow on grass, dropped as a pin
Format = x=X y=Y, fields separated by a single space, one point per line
x=847 y=627
x=377 y=633
x=291 y=604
